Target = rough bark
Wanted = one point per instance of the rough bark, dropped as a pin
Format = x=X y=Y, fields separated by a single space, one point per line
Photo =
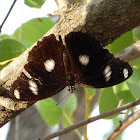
x=106 y=20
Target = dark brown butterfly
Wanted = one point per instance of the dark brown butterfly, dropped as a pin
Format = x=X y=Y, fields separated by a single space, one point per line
x=52 y=66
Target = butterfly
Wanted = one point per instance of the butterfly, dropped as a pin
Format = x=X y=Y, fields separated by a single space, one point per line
x=52 y=65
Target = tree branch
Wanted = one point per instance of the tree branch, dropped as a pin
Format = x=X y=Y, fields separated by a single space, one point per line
x=123 y=125
x=92 y=119
x=132 y=51
x=7 y=14
x=106 y=20
x=62 y=5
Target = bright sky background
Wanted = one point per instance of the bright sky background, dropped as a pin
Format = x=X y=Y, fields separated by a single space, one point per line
x=22 y=13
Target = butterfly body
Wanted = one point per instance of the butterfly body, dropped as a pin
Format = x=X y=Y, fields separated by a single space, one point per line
x=52 y=66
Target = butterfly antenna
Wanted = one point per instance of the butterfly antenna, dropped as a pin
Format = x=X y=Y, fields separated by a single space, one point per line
x=80 y=101
x=62 y=99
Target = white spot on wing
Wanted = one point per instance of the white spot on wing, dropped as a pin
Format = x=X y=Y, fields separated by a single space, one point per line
x=125 y=73
x=107 y=73
x=17 y=94
x=33 y=87
x=49 y=65
x=84 y=59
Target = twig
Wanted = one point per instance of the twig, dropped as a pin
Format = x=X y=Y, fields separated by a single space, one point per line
x=120 y=102
x=62 y=5
x=71 y=123
x=82 y=123
x=127 y=114
x=7 y=61
x=132 y=51
x=7 y=14
x=124 y=124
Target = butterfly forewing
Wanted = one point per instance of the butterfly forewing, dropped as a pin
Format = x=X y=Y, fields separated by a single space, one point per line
x=43 y=75
x=92 y=65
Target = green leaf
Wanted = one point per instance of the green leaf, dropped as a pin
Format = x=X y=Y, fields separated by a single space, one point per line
x=108 y=101
x=121 y=43
x=71 y=104
x=126 y=95
x=50 y=111
x=10 y=48
x=136 y=33
x=136 y=63
x=119 y=87
x=134 y=84
x=69 y=109
x=137 y=70
x=34 y=3
x=91 y=91
x=5 y=36
x=123 y=93
x=34 y=29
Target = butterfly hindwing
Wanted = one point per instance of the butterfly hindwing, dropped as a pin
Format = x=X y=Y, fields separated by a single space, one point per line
x=93 y=65
x=43 y=75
